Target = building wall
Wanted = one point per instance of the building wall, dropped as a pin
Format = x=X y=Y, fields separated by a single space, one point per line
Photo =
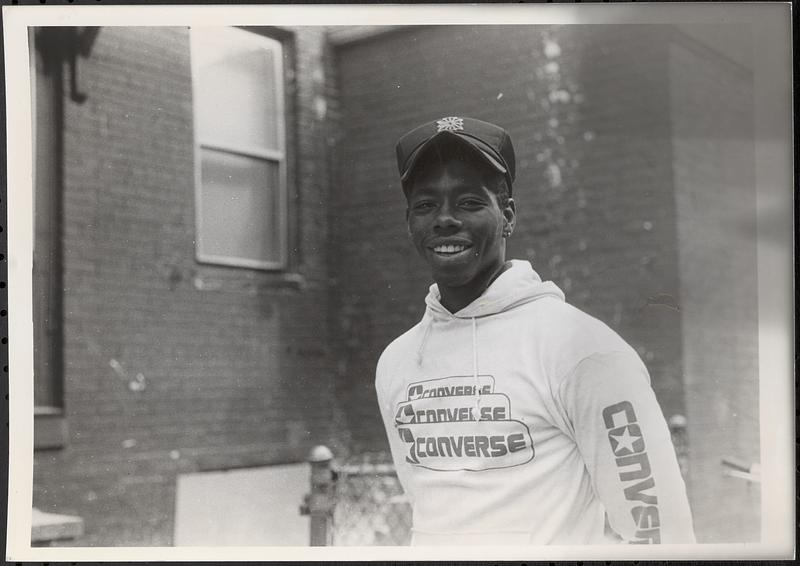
x=713 y=161
x=172 y=366
x=588 y=110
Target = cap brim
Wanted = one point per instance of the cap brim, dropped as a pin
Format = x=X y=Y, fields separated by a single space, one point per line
x=479 y=148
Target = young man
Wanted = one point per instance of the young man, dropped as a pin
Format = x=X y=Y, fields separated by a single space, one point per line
x=513 y=417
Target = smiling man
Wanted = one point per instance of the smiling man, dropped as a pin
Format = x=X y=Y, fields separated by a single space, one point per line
x=513 y=418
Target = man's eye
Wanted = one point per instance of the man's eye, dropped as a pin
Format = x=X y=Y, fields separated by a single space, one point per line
x=471 y=203
x=421 y=206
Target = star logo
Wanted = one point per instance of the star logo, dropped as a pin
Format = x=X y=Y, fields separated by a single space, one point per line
x=626 y=440
x=415 y=392
x=405 y=435
x=405 y=415
x=449 y=124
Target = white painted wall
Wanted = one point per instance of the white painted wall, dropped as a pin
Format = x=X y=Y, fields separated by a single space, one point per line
x=250 y=507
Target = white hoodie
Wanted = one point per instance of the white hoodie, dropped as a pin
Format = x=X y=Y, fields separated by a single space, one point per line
x=569 y=429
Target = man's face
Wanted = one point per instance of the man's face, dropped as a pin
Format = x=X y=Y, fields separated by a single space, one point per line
x=456 y=222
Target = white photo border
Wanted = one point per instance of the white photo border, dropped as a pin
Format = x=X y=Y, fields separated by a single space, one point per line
x=774 y=179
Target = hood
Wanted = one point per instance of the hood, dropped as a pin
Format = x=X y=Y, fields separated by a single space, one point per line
x=516 y=286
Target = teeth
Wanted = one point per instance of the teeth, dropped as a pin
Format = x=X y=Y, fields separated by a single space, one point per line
x=449 y=249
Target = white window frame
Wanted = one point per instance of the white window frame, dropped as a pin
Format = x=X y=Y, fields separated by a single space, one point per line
x=276 y=48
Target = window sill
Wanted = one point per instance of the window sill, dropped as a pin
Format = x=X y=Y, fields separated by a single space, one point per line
x=220 y=279
x=49 y=428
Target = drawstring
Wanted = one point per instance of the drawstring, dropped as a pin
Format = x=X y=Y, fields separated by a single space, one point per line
x=421 y=349
x=475 y=369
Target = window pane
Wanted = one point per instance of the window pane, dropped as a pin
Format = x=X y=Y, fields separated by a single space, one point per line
x=240 y=207
x=237 y=88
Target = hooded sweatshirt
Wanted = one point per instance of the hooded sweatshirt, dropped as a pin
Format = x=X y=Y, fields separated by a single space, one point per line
x=522 y=420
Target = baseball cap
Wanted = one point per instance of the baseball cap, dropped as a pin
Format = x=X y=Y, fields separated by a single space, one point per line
x=489 y=141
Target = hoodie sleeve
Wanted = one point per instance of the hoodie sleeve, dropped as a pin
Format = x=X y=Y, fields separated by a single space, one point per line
x=387 y=416
x=621 y=433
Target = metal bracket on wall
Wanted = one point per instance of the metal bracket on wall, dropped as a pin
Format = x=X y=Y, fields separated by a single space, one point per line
x=81 y=44
x=59 y=44
x=736 y=468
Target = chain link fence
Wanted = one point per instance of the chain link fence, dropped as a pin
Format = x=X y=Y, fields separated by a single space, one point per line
x=356 y=503
x=371 y=509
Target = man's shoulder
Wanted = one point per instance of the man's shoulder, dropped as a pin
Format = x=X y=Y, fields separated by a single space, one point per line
x=400 y=349
x=572 y=334
x=565 y=321
x=400 y=346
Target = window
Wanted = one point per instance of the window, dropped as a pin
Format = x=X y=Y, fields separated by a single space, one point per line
x=240 y=153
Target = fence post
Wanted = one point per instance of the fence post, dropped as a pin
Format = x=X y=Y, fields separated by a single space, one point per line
x=320 y=500
x=677 y=429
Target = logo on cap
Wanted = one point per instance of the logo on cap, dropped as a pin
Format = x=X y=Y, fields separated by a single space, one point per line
x=449 y=124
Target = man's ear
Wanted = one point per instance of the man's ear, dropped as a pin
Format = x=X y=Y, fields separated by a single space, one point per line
x=510 y=214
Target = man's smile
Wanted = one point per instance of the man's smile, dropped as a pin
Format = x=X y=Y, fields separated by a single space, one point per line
x=450 y=249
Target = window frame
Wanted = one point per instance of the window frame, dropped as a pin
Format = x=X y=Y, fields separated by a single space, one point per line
x=279 y=156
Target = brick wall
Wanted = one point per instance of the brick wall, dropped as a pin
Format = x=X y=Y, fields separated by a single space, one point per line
x=713 y=161
x=172 y=366
x=587 y=108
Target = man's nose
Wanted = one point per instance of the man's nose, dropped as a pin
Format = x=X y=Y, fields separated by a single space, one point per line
x=446 y=220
